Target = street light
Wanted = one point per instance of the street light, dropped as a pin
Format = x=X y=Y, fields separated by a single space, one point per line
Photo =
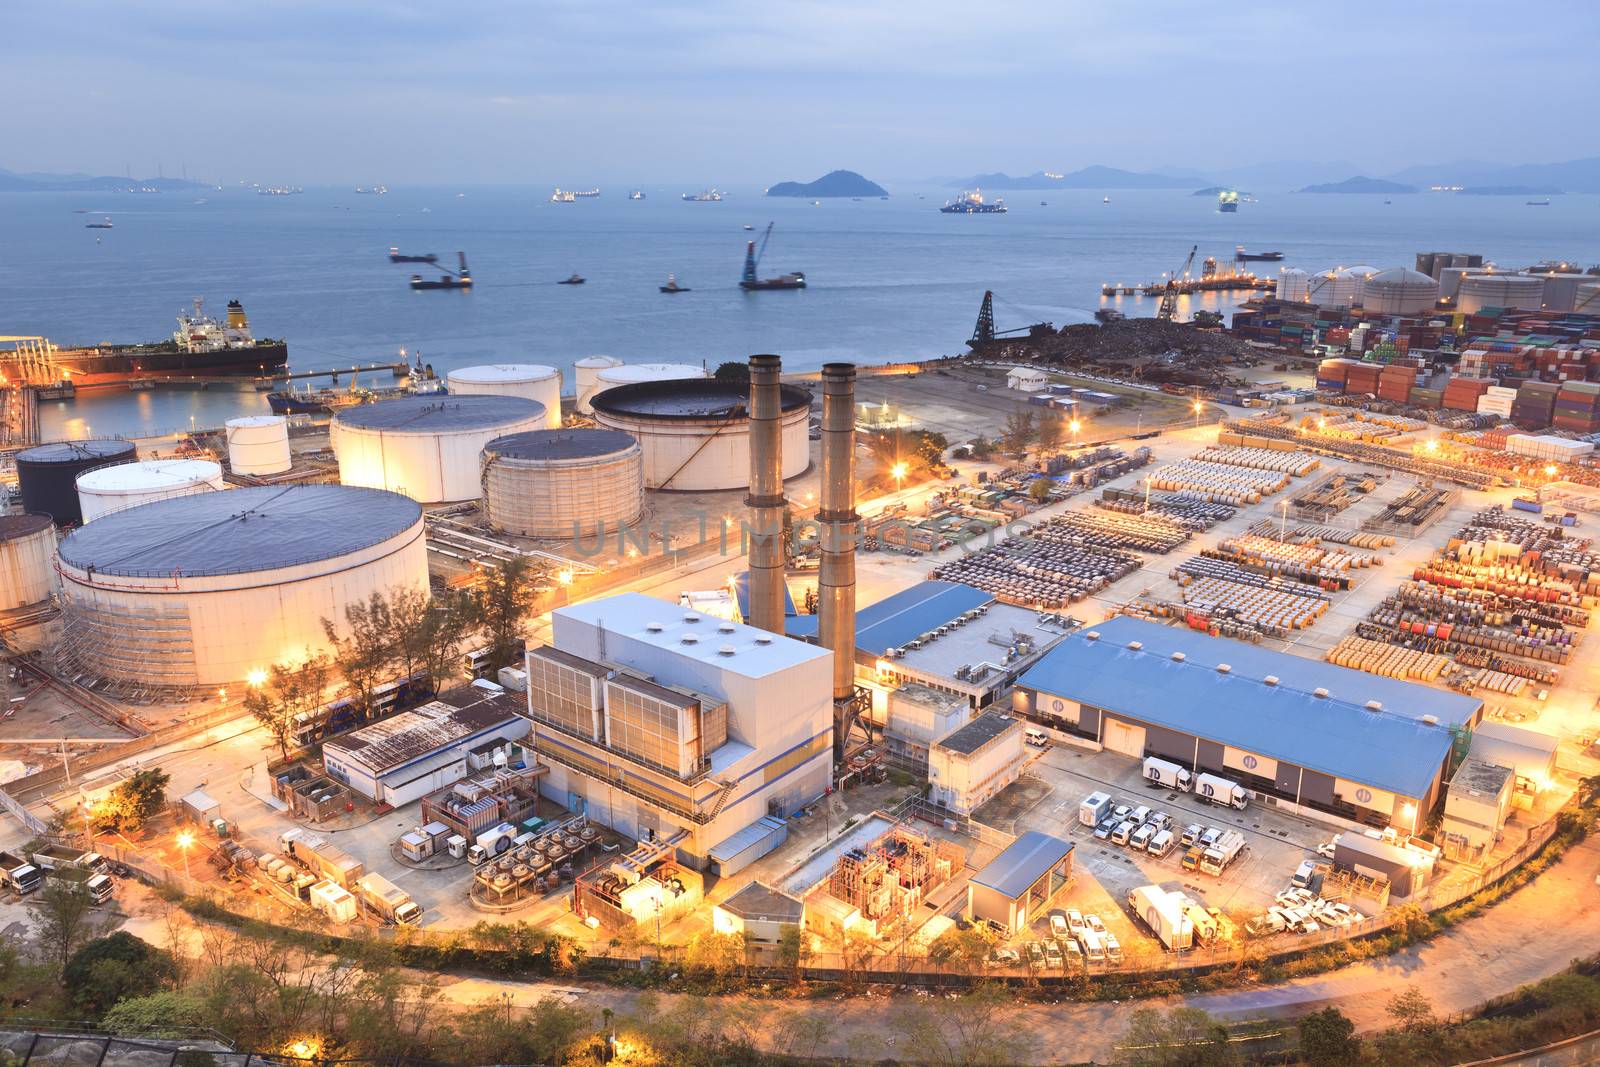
x=1075 y=425
x=1198 y=408
x=185 y=839
x=899 y=472
x=256 y=678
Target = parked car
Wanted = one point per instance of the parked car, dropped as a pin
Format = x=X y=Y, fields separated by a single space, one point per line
x=1052 y=954
x=1141 y=814
x=1140 y=841
x=1191 y=858
x=1103 y=831
x=1161 y=821
x=1075 y=921
x=1113 y=948
x=1003 y=957
x=1121 y=812
x=1209 y=838
x=1124 y=830
x=1073 y=952
x=1191 y=834
x=1058 y=925
x=1094 y=924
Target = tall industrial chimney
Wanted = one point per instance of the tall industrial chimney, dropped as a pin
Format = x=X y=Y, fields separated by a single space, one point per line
x=766 y=501
x=836 y=584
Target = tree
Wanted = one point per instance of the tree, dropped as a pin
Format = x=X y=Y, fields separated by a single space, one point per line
x=718 y=955
x=134 y=800
x=1039 y=490
x=962 y=949
x=364 y=655
x=1018 y=432
x=732 y=371
x=982 y=447
x=1327 y=1039
x=157 y=1014
x=1052 y=430
x=428 y=632
x=919 y=450
x=794 y=948
x=502 y=599
x=972 y=1030
x=113 y=968
x=1411 y=1010
x=1181 y=1037
x=288 y=692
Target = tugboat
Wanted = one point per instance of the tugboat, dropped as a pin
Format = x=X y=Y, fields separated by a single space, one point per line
x=462 y=279
x=1244 y=256
x=572 y=279
x=973 y=203
x=637 y=194
x=396 y=257
x=710 y=196
x=103 y=224
x=672 y=285
x=1538 y=203
x=751 y=283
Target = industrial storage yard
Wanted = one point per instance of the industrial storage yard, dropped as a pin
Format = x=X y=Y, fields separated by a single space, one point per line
x=1195 y=677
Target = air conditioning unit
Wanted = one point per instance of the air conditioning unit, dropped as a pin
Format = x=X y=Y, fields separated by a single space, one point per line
x=1178 y=657
x=1224 y=668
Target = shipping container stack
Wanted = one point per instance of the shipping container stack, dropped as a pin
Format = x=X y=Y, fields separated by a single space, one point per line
x=1462 y=393
x=1396 y=382
x=1497 y=400
x=1535 y=405
x=1362 y=378
x=1331 y=374
x=1577 y=408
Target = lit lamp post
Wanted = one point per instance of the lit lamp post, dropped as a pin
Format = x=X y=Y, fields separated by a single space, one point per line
x=899 y=472
x=185 y=839
x=1198 y=408
x=1075 y=425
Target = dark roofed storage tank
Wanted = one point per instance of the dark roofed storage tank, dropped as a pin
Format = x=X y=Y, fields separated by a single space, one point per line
x=48 y=474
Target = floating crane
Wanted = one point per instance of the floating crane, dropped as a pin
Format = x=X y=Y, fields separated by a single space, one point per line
x=1169 y=297
x=450 y=279
x=752 y=259
x=984 y=333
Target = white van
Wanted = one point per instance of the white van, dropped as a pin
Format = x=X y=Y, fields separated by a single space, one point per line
x=1094 y=948
x=1035 y=737
x=1161 y=844
x=1140 y=841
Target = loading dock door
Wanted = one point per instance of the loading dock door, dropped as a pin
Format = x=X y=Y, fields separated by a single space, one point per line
x=1128 y=740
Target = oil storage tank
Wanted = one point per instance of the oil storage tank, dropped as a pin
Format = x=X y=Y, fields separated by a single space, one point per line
x=1479 y=291
x=586 y=378
x=427 y=447
x=258 y=444
x=562 y=483
x=695 y=433
x=108 y=489
x=1294 y=285
x=48 y=474
x=27 y=552
x=628 y=373
x=1399 y=292
x=209 y=588
x=1587 y=300
x=533 y=381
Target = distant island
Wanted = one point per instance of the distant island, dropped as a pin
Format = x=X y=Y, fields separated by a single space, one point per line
x=833 y=183
x=72 y=183
x=1360 y=185
x=1217 y=190
x=1095 y=177
x=1510 y=190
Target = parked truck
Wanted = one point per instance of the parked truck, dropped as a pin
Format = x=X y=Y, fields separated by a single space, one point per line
x=1167 y=774
x=1215 y=859
x=1221 y=791
x=1164 y=915
x=58 y=857
x=1094 y=809
x=319 y=857
x=491 y=843
x=334 y=901
x=18 y=875
x=389 y=901
x=99 y=886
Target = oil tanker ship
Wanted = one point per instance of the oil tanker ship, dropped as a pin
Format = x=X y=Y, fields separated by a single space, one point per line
x=201 y=347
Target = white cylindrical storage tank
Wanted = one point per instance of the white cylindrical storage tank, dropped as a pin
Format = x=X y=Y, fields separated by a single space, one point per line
x=586 y=378
x=696 y=433
x=1450 y=280
x=1294 y=285
x=629 y=373
x=1561 y=289
x=208 y=589
x=1338 y=287
x=1479 y=291
x=27 y=550
x=1587 y=300
x=532 y=381
x=107 y=489
x=1399 y=292
x=426 y=447
x=258 y=444
x=563 y=483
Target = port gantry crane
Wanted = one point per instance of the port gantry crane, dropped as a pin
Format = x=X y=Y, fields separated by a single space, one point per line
x=1169 y=297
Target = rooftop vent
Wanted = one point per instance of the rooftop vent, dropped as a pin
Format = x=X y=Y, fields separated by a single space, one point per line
x=1271 y=679
x=691 y=617
x=1374 y=705
x=1224 y=668
x=763 y=639
x=1320 y=692
x=1431 y=720
x=726 y=650
x=1092 y=635
x=1135 y=646
x=653 y=627
x=726 y=627
x=690 y=639
x=1178 y=657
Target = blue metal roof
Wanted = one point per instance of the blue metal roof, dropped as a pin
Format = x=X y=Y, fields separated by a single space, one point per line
x=896 y=620
x=741 y=589
x=1023 y=863
x=1336 y=734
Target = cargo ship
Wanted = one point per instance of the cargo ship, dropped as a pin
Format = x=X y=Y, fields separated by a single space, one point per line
x=1244 y=255
x=973 y=203
x=200 y=347
x=1228 y=201
x=710 y=196
x=396 y=256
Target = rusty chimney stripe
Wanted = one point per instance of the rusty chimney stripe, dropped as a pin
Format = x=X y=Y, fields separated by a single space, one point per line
x=836 y=581
x=766 y=500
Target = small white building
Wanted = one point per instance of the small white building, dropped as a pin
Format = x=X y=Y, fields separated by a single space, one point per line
x=407 y=756
x=1475 y=808
x=918 y=715
x=1530 y=755
x=972 y=764
x=1027 y=380
x=759 y=912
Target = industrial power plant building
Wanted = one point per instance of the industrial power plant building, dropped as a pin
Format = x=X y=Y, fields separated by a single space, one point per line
x=209 y=588
x=680 y=728
x=1303 y=735
x=410 y=755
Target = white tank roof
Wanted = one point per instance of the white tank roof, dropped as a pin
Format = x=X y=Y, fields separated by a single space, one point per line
x=502 y=373
x=650 y=372
x=598 y=362
x=1400 y=276
x=152 y=475
x=255 y=420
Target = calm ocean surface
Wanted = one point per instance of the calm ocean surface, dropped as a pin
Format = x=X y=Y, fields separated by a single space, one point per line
x=888 y=279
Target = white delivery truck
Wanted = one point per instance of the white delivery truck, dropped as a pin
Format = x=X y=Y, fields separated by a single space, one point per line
x=1163 y=914
x=491 y=843
x=1221 y=791
x=1166 y=774
x=389 y=901
x=1094 y=809
x=1215 y=859
x=334 y=901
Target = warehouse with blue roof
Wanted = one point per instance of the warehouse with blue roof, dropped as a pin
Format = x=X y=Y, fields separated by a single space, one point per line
x=1301 y=734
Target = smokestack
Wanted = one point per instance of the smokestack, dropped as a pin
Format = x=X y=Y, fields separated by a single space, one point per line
x=766 y=501
x=836 y=584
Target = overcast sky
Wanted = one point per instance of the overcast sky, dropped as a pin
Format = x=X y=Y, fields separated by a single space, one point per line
x=713 y=91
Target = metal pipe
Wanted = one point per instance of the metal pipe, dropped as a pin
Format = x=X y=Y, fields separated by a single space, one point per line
x=836 y=582
x=766 y=502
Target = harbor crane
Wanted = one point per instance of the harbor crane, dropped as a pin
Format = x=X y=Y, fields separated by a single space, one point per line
x=1169 y=297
